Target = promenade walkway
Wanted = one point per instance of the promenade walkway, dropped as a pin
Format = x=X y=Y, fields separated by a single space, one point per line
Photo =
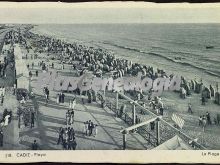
x=52 y=116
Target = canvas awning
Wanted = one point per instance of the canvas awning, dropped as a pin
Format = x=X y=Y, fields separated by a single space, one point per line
x=175 y=143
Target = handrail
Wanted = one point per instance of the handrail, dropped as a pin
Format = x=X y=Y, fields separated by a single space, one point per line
x=196 y=144
x=165 y=122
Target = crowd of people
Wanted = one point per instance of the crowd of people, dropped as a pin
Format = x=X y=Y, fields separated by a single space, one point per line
x=93 y=59
x=206 y=120
x=157 y=105
x=66 y=137
x=3 y=66
x=100 y=61
x=60 y=97
x=27 y=116
x=90 y=129
x=5 y=120
x=6 y=117
x=70 y=117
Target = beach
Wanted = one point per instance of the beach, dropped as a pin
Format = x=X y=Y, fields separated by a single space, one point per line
x=171 y=54
x=176 y=48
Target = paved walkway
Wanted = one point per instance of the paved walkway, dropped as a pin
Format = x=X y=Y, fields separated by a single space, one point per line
x=52 y=116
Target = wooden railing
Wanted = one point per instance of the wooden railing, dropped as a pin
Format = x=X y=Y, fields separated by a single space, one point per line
x=144 y=132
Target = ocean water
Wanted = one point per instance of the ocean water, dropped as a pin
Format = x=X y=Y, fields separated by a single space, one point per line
x=176 y=48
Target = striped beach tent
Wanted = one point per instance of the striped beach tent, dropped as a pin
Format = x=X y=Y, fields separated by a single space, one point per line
x=178 y=120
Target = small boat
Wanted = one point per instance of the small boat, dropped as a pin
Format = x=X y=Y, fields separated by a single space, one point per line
x=209 y=47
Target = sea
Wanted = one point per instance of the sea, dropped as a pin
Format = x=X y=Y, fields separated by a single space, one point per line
x=180 y=49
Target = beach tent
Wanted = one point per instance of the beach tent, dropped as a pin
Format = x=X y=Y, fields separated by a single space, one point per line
x=175 y=143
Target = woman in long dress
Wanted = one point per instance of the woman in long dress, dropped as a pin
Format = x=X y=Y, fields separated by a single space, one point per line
x=95 y=130
x=58 y=98
x=70 y=104
x=6 y=120
x=67 y=117
x=73 y=103
x=3 y=91
x=71 y=117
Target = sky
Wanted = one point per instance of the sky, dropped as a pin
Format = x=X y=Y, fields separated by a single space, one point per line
x=115 y=12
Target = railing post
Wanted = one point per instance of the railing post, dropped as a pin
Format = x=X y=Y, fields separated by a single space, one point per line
x=158 y=131
x=133 y=113
x=124 y=139
x=116 y=106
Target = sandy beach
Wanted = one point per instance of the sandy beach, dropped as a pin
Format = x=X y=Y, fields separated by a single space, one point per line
x=146 y=48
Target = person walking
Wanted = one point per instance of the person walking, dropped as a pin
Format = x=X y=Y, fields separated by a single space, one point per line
x=200 y=121
x=1 y=138
x=5 y=113
x=58 y=98
x=62 y=97
x=65 y=139
x=67 y=117
x=14 y=89
x=72 y=103
x=35 y=145
x=95 y=130
x=60 y=136
x=160 y=107
x=3 y=91
x=208 y=118
x=72 y=133
x=47 y=92
x=71 y=117
x=6 y=120
x=86 y=128
x=190 y=108
x=204 y=121
x=74 y=144
x=30 y=75
x=32 y=119
x=203 y=100
x=89 y=97
x=32 y=65
x=91 y=127
x=218 y=118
